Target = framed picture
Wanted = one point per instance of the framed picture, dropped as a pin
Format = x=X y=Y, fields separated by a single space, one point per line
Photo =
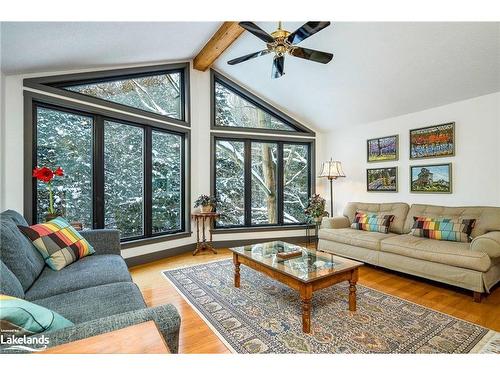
x=382 y=179
x=433 y=141
x=431 y=178
x=382 y=149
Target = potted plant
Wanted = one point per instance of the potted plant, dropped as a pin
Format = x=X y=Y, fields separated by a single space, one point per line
x=206 y=203
x=316 y=208
x=46 y=175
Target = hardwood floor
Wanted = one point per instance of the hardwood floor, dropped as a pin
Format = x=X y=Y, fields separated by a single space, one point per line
x=197 y=337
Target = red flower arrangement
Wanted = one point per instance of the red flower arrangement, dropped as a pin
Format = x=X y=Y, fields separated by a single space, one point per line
x=46 y=175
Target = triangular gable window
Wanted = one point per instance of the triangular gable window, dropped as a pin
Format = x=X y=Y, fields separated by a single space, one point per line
x=237 y=109
x=160 y=94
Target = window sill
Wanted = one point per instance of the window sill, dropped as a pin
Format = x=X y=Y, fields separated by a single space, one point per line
x=155 y=239
x=259 y=229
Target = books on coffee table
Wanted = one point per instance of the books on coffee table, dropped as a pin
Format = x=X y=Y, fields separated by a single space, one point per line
x=289 y=254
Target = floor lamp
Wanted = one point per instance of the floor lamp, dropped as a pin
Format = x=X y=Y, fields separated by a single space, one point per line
x=332 y=170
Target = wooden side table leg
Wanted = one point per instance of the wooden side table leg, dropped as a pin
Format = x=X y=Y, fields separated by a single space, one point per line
x=352 y=290
x=236 y=270
x=197 y=237
x=204 y=240
x=211 y=224
x=306 y=297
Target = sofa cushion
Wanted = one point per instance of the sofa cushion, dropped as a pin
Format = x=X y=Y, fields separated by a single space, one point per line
x=456 y=254
x=17 y=252
x=96 y=302
x=58 y=242
x=372 y=222
x=369 y=240
x=22 y=318
x=87 y=272
x=9 y=284
x=399 y=210
x=487 y=218
x=443 y=229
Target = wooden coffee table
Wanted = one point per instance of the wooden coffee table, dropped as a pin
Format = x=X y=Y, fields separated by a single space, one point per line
x=311 y=271
x=142 y=338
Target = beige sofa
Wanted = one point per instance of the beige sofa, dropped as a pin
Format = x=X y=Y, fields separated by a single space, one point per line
x=474 y=266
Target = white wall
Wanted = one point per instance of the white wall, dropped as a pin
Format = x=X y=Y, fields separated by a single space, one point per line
x=12 y=144
x=2 y=127
x=476 y=165
x=2 y=139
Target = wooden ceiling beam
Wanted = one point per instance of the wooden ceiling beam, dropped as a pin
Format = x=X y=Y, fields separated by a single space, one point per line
x=220 y=41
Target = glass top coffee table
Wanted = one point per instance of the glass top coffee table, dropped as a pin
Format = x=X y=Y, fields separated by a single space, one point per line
x=310 y=271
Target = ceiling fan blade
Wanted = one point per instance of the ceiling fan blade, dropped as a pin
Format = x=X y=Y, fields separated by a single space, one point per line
x=312 y=55
x=257 y=31
x=248 y=57
x=306 y=30
x=278 y=67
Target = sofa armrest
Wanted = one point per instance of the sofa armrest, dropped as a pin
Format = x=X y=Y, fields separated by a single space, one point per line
x=166 y=317
x=335 y=222
x=488 y=243
x=104 y=241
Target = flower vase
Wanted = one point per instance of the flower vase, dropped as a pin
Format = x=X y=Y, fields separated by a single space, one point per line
x=48 y=217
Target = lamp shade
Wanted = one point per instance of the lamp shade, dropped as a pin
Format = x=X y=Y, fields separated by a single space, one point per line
x=332 y=169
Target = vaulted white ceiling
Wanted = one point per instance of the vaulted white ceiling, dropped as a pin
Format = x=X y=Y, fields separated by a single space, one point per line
x=379 y=70
x=48 y=46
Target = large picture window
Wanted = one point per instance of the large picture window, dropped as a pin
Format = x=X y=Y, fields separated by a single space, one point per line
x=230 y=181
x=135 y=159
x=167 y=161
x=121 y=171
x=124 y=178
x=64 y=138
x=261 y=182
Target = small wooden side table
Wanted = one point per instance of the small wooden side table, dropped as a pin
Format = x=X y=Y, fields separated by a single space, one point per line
x=205 y=220
x=142 y=338
x=312 y=230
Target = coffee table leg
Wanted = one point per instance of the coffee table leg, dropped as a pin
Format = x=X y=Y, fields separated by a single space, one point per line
x=236 y=270
x=352 y=290
x=306 y=297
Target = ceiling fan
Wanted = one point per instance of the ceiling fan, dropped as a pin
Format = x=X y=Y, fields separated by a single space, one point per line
x=281 y=42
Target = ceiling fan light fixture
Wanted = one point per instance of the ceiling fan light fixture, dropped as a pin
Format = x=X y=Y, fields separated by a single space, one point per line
x=281 y=42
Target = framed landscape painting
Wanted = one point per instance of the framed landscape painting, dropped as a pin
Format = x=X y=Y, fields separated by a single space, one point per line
x=433 y=141
x=430 y=178
x=382 y=179
x=382 y=149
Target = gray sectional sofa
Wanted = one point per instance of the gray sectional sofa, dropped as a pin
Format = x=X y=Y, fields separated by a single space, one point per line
x=474 y=266
x=96 y=293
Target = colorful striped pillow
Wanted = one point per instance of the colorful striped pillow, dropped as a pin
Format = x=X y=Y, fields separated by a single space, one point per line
x=444 y=229
x=372 y=222
x=58 y=242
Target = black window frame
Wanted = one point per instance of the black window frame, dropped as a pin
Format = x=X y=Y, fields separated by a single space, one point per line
x=33 y=100
x=216 y=77
x=55 y=85
x=247 y=139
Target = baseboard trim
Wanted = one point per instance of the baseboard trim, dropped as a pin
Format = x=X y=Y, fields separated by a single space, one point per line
x=157 y=255
x=167 y=253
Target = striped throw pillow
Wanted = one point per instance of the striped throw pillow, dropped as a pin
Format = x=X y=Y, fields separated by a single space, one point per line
x=372 y=222
x=58 y=242
x=444 y=229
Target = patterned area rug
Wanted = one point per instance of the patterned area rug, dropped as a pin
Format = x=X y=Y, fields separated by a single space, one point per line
x=264 y=316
